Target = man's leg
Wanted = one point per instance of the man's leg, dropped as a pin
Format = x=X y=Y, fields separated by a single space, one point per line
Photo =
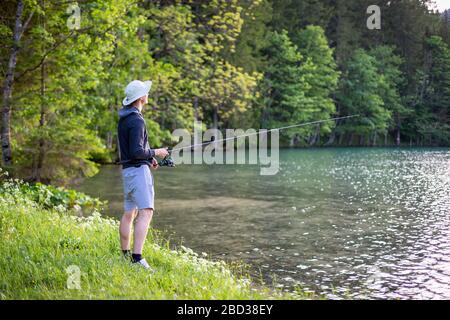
x=141 y=229
x=125 y=228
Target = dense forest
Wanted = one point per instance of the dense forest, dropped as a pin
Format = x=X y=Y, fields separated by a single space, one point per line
x=231 y=64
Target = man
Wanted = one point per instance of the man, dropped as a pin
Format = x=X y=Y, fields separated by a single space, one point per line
x=136 y=158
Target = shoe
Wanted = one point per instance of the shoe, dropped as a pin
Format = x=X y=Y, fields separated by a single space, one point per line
x=143 y=263
x=127 y=256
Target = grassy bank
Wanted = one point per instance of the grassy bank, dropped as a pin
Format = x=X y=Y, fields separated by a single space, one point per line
x=38 y=243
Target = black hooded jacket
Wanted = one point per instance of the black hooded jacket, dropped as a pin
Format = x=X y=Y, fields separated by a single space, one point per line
x=133 y=139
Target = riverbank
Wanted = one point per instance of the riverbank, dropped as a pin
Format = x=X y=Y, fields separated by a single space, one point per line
x=43 y=247
x=326 y=222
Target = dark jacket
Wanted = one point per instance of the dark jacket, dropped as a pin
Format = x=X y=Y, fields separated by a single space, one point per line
x=133 y=139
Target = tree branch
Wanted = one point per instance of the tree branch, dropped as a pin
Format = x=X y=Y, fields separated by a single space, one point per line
x=55 y=46
x=26 y=24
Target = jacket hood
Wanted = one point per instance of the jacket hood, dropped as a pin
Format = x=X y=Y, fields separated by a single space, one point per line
x=125 y=112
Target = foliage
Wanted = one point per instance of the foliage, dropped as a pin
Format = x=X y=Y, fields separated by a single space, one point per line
x=283 y=85
x=298 y=82
x=50 y=197
x=360 y=93
x=434 y=101
x=320 y=72
x=231 y=64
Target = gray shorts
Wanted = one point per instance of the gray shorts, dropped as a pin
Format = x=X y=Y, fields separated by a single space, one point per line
x=138 y=188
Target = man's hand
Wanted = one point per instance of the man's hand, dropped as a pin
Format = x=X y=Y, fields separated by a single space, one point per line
x=161 y=153
x=155 y=164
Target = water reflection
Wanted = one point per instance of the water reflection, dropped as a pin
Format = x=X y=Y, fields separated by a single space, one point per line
x=365 y=223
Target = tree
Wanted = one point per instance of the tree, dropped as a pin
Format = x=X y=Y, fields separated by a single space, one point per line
x=284 y=86
x=58 y=66
x=253 y=37
x=388 y=65
x=444 y=32
x=320 y=72
x=17 y=33
x=193 y=38
x=433 y=104
x=360 y=93
x=294 y=15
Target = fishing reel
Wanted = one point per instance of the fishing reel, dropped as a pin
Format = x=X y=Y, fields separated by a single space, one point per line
x=167 y=162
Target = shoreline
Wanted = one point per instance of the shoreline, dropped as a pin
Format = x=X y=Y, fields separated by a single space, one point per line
x=44 y=248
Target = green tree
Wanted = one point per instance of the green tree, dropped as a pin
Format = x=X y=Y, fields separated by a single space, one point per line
x=284 y=86
x=360 y=93
x=389 y=67
x=294 y=15
x=53 y=132
x=319 y=70
x=253 y=37
x=433 y=104
x=193 y=37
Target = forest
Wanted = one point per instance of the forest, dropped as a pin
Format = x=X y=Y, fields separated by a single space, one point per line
x=231 y=64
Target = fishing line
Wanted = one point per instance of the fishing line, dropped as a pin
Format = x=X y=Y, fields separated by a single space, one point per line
x=255 y=133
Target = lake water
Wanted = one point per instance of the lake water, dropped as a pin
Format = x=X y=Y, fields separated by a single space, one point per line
x=361 y=223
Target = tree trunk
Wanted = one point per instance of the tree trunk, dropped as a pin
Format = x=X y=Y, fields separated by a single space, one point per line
x=292 y=142
x=216 y=117
x=333 y=135
x=331 y=138
x=110 y=134
x=7 y=88
x=341 y=139
x=397 y=138
x=196 y=108
x=42 y=142
x=315 y=135
x=375 y=139
x=385 y=138
x=197 y=140
x=109 y=140
x=351 y=139
x=41 y=154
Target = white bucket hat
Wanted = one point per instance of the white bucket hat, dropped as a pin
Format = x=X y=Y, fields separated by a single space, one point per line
x=135 y=90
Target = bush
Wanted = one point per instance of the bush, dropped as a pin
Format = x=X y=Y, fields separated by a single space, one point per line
x=50 y=197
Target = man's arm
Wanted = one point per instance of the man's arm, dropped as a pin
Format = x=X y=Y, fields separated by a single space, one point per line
x=137 y=144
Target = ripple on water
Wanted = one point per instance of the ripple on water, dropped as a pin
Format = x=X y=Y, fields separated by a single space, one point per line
x=363 y=223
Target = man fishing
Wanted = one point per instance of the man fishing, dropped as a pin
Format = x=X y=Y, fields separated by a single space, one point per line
x=136 y=158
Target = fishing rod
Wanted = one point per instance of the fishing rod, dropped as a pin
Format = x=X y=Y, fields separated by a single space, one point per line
x=255 y=133
x=168 y=161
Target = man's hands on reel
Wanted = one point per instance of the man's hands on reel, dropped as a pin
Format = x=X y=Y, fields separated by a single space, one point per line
x=155 y=164
x=161 y=153
x=166 y=160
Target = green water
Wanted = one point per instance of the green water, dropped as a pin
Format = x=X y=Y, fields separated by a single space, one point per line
x=342 y=222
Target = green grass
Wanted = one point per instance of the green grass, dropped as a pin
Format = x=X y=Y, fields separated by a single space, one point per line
x=38 y=244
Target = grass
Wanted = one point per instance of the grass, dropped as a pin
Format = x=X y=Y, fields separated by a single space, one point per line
x=41 y=247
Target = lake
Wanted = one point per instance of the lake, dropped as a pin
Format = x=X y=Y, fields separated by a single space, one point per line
x=345 y=222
